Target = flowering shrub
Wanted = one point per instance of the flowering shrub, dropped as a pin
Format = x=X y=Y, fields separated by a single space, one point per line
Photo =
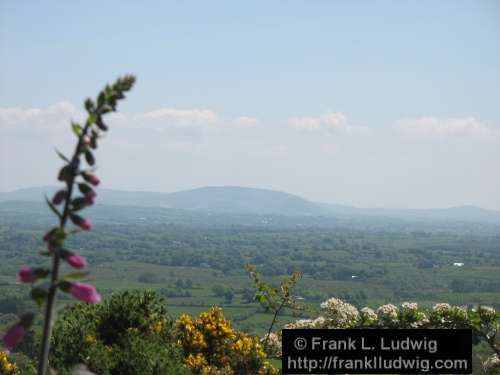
x=338 y=314
x=7 y=367
x=129 y=333
x=211 y=346
x=335 y=313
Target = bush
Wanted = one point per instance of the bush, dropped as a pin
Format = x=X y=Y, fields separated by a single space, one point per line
x=212 y=347
x=129 y=333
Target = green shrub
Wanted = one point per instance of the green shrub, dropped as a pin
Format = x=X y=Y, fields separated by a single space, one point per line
x=129 y=333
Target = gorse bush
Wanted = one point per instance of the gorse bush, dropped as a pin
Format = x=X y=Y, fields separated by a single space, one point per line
x=213 y=347
x=129 y=333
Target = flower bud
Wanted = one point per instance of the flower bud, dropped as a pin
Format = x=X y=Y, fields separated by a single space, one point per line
x=91 y=178
x=75 y=260
x=90 y=197
x=85 y=224
x=59 y=197
x=14 y=335
x=26 y=275
x=84 y=292
x=47 y=236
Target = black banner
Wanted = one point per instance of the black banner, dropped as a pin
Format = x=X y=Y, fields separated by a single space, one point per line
x=377 y=351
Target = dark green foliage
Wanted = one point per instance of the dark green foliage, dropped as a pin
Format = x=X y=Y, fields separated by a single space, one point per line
x=117 y=336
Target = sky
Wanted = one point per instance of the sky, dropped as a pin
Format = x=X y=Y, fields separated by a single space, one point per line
x=363 y=103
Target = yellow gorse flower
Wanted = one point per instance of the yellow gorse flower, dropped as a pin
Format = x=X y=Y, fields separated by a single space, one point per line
x=90 y=339
x=6 y=366
x=159 y=325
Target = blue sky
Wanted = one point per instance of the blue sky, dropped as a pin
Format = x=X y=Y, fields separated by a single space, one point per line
x=370 y=103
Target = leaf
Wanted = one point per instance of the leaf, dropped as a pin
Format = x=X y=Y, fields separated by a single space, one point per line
x=78 y=203
x=91 y=119
x=101 y=124
x=89 y=105
x=62 y=156
x=75 y=275
x=101 y=99
x=39 y=295
x=84 y=188
x=53 y=208
x=77 y=220
x=27 y=320
x=93 y=142
x=77 y=129
x=89 y=157
x=65 y=286
x=64 y=173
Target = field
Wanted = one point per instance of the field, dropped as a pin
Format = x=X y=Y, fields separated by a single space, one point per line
x=196 y=263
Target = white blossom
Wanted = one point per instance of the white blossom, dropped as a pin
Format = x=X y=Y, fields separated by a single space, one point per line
x=340 y=314
x=441 y=307
x=368 y=314
x=388 y=313
x=301 y=323
x=408 y=307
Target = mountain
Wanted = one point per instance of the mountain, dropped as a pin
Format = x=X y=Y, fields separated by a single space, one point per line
x=241 y=200
x=223 y=199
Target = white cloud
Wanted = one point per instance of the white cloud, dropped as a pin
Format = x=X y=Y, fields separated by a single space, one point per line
x=181 y=116
x=53 y=114
x=245 y=121
x=330 y=122
x=467 y=126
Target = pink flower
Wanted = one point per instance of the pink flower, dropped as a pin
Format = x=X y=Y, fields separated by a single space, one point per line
x=90 y=197
x=91 y=178
x=85 y=224
x=48 y=236
x=59 y=197
x=84 y=292
x=26 y=275
x=14 y=335
x=76 y=261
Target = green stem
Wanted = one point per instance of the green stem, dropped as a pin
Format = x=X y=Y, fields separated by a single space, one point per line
x=272 y=325
x=56 y=260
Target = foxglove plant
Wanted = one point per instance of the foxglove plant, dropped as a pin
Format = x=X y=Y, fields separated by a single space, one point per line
x=67 y=208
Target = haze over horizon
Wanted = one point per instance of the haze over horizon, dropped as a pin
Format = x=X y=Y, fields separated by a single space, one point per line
x=398 y=109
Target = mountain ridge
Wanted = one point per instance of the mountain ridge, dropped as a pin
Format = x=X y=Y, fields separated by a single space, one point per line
x=237 y=199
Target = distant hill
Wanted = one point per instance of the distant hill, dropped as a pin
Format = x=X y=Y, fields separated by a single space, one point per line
x=229 y=199
x=241 y=200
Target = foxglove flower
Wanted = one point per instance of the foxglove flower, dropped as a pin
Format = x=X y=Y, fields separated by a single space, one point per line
x=14 y=335
x=59 y=197
x=91 y=178
x=85 y=224
x=84 y=292
x=27 y=275
x=90 y=197
x=75 y=260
